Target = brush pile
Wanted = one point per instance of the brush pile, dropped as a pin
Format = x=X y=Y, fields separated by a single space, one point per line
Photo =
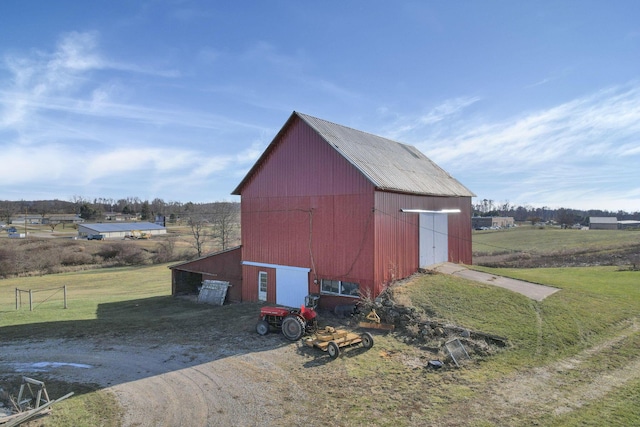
x=415 y=326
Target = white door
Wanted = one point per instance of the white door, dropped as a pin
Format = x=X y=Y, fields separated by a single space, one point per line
x=434 y=239
x=262 y=286
x=292 y=285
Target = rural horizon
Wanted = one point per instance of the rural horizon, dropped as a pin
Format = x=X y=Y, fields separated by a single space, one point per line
x=480 y=206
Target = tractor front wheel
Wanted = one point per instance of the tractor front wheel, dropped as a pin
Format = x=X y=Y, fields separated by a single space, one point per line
x=262 y=327
x=333 y=349
x=293 y=327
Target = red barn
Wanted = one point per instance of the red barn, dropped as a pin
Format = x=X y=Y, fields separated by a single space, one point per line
x=332 y=210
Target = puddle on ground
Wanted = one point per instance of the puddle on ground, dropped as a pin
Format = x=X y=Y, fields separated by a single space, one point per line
x=46 y=366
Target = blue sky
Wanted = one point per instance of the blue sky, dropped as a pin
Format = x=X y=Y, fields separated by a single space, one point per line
x=534 y=103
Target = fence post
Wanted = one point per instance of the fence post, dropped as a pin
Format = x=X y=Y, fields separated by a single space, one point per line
x=17 y=295
x=65 y=296
x=30 y=300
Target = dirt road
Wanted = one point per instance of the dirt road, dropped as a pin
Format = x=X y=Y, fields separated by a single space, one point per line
x=215 y=384
x=242 y=379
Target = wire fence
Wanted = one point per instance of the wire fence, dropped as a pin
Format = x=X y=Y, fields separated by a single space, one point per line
x=30 y=296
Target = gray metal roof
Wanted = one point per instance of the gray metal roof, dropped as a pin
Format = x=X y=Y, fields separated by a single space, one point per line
x=389 y=165
x=112 y=227
x=603 y=219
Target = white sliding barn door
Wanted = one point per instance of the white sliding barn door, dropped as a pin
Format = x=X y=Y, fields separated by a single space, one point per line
x=434 y=239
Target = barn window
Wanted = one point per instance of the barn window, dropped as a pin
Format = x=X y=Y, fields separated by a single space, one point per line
x=338 y=287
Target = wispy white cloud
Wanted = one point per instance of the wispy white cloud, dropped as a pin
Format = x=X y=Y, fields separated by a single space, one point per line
x=62 y=122
x=408 y=128
x=55 y=80
x=585 y=128
x=567 y=154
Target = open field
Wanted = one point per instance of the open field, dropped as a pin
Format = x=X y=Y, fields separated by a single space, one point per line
x=530 y=247
x=46 y=252
x=571 y=359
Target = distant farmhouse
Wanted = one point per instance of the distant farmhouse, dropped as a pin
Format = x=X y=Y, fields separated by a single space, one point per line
x=120 y=230
x=62 y=219
x=628 y=223
x=37 y=219
x=603 y=223
x=480 y=222
x=120 y=217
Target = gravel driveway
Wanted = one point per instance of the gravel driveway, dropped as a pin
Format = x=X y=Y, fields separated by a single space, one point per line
x=237 y=383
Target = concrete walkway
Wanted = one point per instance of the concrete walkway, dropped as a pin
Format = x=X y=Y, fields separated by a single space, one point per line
x=530 y=290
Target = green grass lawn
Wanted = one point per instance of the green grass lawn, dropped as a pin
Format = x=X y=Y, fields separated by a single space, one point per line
x=88 y=292
x=593 y=302
x=111 y=302
x=550 y=240
x=594 y=305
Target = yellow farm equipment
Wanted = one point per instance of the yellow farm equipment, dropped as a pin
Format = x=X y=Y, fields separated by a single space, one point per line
x=332 y=340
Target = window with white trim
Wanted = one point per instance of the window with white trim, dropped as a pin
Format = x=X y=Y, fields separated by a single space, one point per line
x=339 y=287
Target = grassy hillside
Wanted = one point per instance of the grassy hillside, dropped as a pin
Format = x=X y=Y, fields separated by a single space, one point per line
x=530 y=247
x=571 y=359
x=550 y=240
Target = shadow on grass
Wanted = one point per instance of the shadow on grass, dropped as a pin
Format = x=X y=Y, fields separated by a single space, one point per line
x=318 y=357
x=133 y=339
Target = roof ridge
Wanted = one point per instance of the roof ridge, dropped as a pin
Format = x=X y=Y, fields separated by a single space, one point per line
x=303 y=116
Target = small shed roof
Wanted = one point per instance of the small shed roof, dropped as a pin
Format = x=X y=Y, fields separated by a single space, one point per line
x=181 y=265
x=603 y=220
x=387 y=164
x=122 y=226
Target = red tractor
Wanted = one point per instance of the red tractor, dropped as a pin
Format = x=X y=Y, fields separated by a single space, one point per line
x=293 y=322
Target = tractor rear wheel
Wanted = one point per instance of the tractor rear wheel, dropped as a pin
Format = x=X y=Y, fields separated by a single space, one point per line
x=333 y=349
x=293 y=327
x=367 y=340
x=262 y=327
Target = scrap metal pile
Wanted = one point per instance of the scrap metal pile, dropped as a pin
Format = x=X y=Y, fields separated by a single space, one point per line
x=33 y=401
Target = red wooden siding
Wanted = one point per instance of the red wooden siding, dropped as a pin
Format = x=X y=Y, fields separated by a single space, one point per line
x=225 y=266
x=250 y=283
x=310 y=208
x=396 y=233
x=303 y=164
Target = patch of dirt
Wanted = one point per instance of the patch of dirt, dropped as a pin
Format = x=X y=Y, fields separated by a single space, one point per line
x=230 y=381
x=561 y=387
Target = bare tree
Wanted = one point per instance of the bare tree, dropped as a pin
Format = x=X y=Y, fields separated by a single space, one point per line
x=225 y=223
x=7 y=210
x=199 y=225
x=158 y=206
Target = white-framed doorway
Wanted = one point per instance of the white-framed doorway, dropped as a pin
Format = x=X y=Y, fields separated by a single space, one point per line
x=292 y=283
x=434 y=238
x=262 y=285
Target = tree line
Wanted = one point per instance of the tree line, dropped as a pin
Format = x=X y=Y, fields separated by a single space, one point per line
x=217 y=222
x=95 y=209
x=563 y=216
